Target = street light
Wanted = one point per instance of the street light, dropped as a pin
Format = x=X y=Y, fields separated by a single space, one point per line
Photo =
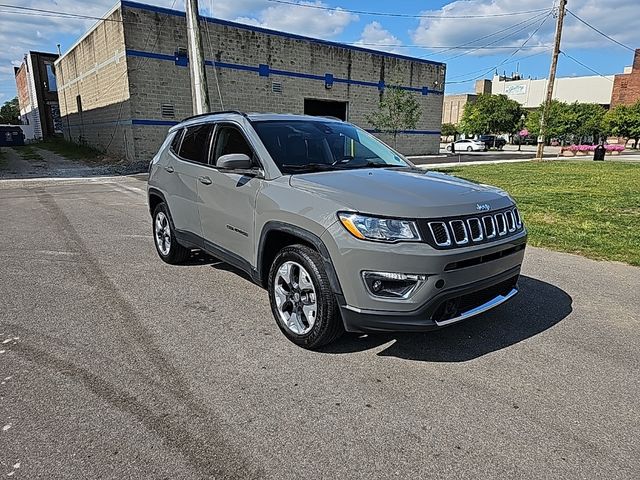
x=522 y=119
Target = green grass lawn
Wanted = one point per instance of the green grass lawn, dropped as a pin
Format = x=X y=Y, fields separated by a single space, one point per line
x=27 y=152
x=69 y=150
x=589 y=208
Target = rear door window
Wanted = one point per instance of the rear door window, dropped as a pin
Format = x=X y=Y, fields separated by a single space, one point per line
x=195 y=144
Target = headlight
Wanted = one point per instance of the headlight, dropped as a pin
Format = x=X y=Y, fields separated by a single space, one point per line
x=365 y=227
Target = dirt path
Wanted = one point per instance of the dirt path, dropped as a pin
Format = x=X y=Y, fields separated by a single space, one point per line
x=34 y=162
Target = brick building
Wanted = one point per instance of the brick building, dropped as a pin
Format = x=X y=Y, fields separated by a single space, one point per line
x=37 y=95
x=626 y=86
x=126 y=81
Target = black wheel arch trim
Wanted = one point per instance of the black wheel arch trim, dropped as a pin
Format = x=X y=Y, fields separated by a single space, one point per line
x=158 y=193
x=313 y=239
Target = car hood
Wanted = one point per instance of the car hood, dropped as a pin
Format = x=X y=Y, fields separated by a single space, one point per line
x=412 y=193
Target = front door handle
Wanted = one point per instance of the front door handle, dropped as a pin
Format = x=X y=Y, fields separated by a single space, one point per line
x=169 y=169
x=205 y=180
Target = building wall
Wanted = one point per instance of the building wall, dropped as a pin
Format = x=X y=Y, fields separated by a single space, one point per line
x=626 y=87
x=531 y=93
x=38 y=99
x=248 y=63
x=93 y=88
x=453 y=107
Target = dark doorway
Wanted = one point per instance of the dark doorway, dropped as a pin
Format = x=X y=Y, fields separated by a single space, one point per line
x=325 y=108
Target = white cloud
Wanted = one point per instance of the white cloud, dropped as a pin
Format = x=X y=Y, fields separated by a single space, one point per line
x=445 y=31
x=306 y=21
x=375 y=36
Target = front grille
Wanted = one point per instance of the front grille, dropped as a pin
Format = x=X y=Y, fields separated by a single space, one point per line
x=454 y=232
x=454 y=307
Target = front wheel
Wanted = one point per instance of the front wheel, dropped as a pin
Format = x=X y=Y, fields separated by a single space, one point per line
x=301 y=298
x=164 y=237
x=469 y=149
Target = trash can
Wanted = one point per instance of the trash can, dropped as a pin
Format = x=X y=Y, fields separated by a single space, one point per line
x=11 y=135
x=599 y=152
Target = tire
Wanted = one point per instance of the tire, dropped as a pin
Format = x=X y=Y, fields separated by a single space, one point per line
x=167 y=246
x=448 y=148
x=469 y=149
x=326 y=323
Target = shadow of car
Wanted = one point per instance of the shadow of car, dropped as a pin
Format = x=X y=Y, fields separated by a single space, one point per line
x=538 y=307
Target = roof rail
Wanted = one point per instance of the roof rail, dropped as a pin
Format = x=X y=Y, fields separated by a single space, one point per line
x=214 y=113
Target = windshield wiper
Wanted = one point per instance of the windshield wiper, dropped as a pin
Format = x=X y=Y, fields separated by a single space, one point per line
x=311 y=167
x=377 y=165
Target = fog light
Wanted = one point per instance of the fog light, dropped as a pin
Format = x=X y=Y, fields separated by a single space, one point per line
x=392 y=285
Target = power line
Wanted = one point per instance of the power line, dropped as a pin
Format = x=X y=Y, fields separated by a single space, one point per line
x=459 y=47
x=599 y=31
x=510 y=56
x=401 y=15
x=529 y=23
x=585 y=66
x=518 y=59
x=470 y=43
x=39 y=12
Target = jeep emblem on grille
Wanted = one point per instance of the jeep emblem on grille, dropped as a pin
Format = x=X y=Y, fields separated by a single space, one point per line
x=483 y=207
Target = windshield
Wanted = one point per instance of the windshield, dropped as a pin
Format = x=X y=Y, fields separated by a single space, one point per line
x=300 y=146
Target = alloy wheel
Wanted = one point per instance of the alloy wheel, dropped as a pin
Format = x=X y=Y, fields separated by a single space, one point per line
x=295 y=298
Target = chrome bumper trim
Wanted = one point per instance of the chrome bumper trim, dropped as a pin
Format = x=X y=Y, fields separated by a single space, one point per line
x=479 y=309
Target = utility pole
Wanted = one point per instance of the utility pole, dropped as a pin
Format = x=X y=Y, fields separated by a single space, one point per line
x=552 y=79
x=199 y=87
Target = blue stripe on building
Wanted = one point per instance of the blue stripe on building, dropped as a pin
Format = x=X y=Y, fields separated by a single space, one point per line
x=265 y=71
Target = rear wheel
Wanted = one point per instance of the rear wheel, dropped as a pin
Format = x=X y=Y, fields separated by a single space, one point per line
x=469 y=149
x=302 y=301
x=164 y=237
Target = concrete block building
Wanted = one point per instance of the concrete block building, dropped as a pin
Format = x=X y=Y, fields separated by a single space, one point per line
x=37 y=96
x=126 y=81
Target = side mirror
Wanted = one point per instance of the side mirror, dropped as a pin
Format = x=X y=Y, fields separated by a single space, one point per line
x=234 y=161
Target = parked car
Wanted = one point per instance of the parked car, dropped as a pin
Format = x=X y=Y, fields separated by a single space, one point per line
x=493 y=141
x=468 y=145
x=343 y=232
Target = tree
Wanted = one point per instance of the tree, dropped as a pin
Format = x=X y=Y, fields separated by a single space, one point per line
x=623 y=121
x=491 y=114
x=10 y=112
x=448 y=130
x=398 y=110
x=589 y=120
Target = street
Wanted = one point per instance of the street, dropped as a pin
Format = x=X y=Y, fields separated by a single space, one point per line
x=116 y=365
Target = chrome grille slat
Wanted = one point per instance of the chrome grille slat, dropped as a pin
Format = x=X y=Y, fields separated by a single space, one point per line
x=511 y=221
x=501 y=224
x=440 y=233
x=489 y=227
x=459 y=232
x=475 y=229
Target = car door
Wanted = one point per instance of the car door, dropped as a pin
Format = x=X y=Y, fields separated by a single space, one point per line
x=186 y=166
x=228 y=197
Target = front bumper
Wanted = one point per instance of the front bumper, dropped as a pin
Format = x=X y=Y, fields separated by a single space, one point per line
x=460 y=283
x=449 y=307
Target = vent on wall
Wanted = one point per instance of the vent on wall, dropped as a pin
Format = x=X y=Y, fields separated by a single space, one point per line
x=276 y=87
x=168 y=110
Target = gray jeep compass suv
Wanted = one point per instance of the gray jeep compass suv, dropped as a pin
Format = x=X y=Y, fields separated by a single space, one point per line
x=344 y=232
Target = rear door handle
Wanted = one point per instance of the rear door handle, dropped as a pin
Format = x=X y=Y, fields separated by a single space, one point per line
x=205 y=180
x=169 y=169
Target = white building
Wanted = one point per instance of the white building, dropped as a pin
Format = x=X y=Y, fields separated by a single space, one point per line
x=531 y=93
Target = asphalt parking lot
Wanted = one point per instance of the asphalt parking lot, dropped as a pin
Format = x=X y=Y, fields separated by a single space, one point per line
x=115 y=365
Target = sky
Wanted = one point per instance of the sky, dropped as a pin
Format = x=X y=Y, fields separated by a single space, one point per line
x=506 y=26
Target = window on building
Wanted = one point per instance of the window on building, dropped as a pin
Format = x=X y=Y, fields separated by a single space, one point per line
x=79 y=103
x=52 y=84
x=195 y=144
x=229 y=140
